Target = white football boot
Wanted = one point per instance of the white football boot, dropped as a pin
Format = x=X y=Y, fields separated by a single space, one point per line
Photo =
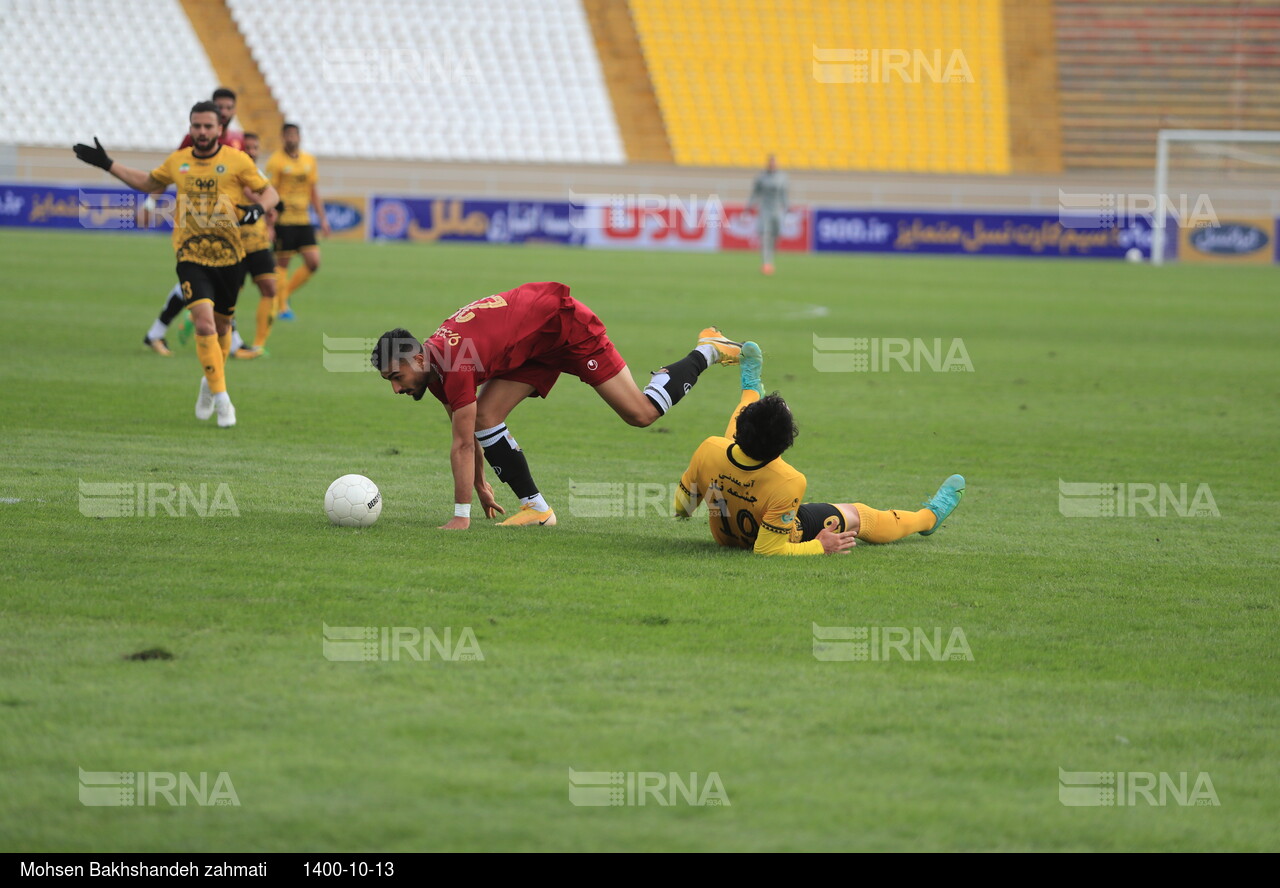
x=226 y=413
x=204 y=403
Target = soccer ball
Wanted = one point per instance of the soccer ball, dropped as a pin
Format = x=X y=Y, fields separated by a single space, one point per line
x=1133 y=255
x=353 y=501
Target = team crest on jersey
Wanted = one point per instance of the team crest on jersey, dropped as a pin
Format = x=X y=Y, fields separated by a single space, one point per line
x=220 y=168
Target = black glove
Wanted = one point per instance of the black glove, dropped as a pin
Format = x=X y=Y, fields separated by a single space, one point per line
x=252 y=213
x=94 y=155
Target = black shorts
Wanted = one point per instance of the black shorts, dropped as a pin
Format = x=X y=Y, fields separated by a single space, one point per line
x=291 y=238
x=812 y=517
x=220 y=284
x=259 y=263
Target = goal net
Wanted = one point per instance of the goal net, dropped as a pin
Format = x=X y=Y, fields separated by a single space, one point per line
x=1217 y=194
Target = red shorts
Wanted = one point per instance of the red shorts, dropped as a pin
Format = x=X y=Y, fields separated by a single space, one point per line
x=584 y=351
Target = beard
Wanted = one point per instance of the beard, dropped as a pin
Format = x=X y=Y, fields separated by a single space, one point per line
x=204 y=144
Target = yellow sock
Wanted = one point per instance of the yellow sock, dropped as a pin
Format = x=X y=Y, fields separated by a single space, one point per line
x=300 y=277
x=886 y=526
x=214 y=362
x=749 y=396
x=224 y=342
x=282 y=289
x=266 y=314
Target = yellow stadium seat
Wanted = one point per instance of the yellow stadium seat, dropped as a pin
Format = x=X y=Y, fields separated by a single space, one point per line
x=738 y=79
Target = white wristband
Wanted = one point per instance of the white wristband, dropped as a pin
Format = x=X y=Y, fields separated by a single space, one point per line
x=462 y=510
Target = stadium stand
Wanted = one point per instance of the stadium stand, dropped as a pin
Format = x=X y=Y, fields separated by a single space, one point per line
x=88 y=67
x=256 y=108
x=644 y=135
x=481 y=80
x=732 y=107
x=1128 y=68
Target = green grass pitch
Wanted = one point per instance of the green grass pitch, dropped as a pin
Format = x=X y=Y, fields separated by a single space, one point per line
x=632 y=643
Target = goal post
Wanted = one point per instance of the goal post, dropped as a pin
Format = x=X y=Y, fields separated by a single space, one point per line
x=1214 y=142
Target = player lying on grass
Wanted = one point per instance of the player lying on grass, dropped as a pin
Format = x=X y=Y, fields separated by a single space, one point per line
x=754 y=498
x=517 y=344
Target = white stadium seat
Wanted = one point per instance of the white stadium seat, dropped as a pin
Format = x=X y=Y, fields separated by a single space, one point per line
x=447 y=80
x=79 y=68
x=485 y=80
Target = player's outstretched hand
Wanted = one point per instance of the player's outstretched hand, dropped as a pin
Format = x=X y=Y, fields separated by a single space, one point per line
x=456 y=523
x=488 y=501
x=94 y=155
x=837 y=542
x=252 y=213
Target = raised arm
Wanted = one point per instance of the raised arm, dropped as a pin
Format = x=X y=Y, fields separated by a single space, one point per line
x=138 y=180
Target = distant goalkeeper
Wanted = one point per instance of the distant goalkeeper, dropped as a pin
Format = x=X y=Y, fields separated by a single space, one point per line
x=769 y=200
x=756 y=500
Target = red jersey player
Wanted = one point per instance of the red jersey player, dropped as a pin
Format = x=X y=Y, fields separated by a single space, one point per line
x=225 y=99
x=517 y=344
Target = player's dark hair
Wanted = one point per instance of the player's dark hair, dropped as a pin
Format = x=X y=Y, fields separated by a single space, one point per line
x=290 y=126
x=393 y=347
x=205 y=108
x=253 y=136
x=223 y=93
x=766 y=428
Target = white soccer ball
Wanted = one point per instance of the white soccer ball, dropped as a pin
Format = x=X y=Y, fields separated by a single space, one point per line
x=1133 y=255
x=353 y=501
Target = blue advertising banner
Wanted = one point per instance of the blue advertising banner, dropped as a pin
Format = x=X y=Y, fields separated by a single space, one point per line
x=976 y=234
x=430 y=219
x=57 y=206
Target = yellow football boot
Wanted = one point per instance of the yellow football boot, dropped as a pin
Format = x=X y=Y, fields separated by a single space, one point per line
x=726 y=349
x=528 y=516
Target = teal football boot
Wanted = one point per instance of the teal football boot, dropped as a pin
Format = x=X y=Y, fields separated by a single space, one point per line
x=944 y=502
x=751 y=360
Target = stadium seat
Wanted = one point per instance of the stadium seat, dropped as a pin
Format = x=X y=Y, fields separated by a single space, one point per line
x=70 y=84
x=439 y=81
x=766 y=96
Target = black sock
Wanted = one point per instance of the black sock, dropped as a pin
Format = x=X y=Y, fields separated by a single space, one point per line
x=173 y=307
x=673 y=381
x=507 y=460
